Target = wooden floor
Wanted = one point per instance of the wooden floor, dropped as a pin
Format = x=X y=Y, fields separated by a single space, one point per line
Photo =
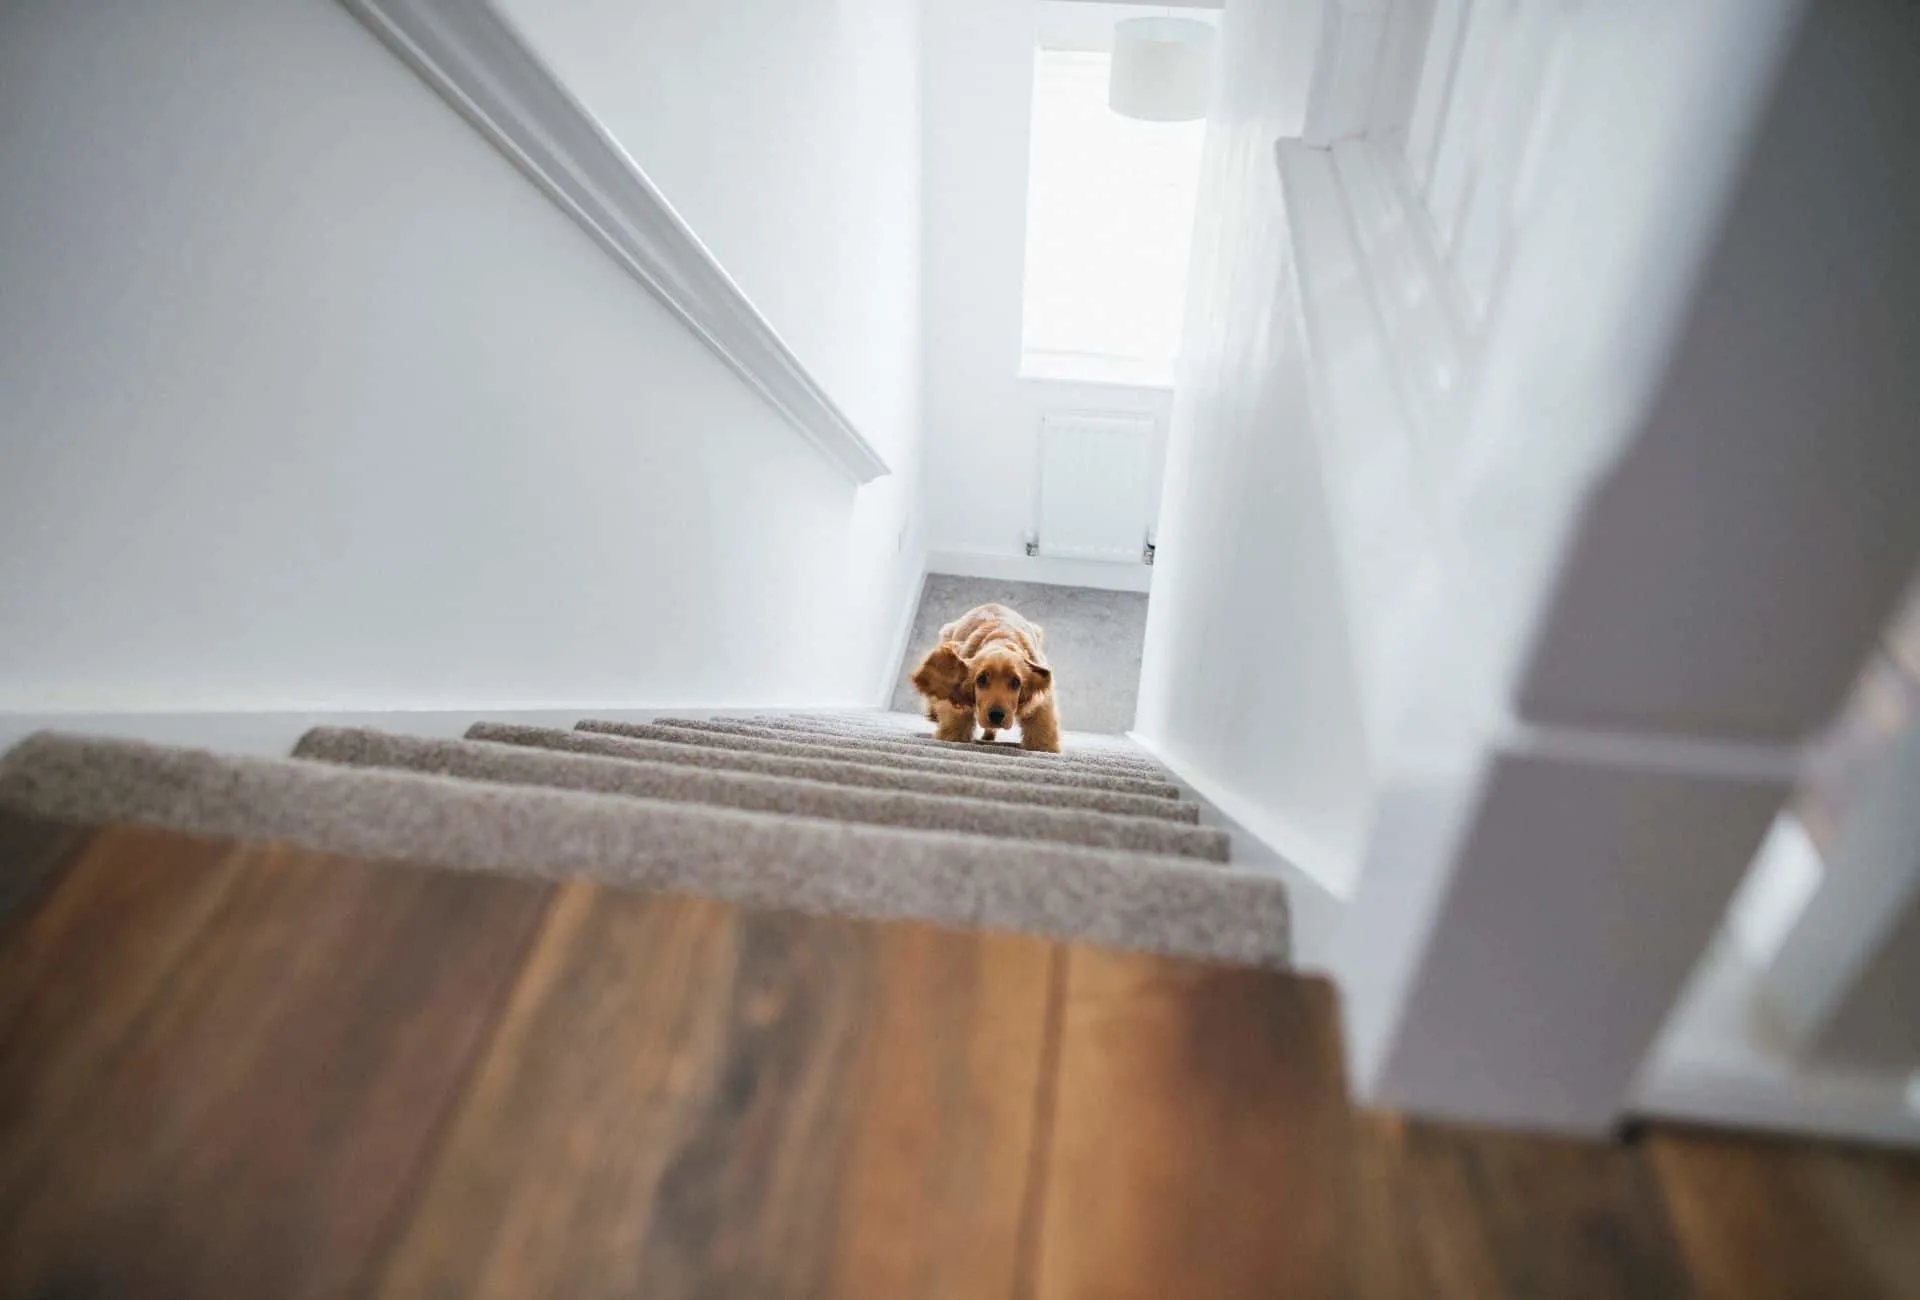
x=234 y=1070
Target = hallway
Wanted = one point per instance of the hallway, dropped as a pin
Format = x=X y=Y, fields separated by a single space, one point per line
x=1093 y=643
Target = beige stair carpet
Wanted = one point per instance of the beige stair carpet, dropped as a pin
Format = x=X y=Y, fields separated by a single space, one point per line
x=1150 y=902
x=482 y=761
x=905 y=759
x=1109 y=749
x=878 y=776
x=1002 y=753
x=917 y=724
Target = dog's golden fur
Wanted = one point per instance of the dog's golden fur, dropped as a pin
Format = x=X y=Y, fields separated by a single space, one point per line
x=987 y=673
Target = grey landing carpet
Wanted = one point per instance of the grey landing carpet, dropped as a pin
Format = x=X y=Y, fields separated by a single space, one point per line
x=1094 y=639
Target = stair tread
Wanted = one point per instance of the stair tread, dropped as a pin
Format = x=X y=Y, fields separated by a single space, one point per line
x=839 y=771
x=1116 y=749
x=999 y=752
x=791 y=796
x=1124 y=756
x=906 y=756
x=1142 y=769
x=1150 y=902
x=894 y=720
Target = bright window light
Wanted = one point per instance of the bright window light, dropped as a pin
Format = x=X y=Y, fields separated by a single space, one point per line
x=1109 y=221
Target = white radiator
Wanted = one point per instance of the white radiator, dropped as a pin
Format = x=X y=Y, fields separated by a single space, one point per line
x=1094 y=475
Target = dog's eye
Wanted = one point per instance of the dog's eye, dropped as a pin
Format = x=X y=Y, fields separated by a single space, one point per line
x=1015 y=683
x=981 y=680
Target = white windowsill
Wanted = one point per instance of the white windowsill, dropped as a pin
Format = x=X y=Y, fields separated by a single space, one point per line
x=1080 y=368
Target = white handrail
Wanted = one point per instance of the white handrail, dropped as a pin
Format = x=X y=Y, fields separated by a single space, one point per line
x=468 y=52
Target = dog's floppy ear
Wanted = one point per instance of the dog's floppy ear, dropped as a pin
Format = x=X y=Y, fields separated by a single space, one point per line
x=943 y=675
x=1038 y=678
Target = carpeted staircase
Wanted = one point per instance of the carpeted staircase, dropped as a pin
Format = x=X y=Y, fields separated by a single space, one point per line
x=863 y=814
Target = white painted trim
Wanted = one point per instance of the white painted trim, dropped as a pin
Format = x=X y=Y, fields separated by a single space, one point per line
x=1314 y=861
x=468 y=52
x=1315 y=912
x=1864 y=907
x=1396 y=82
x=1786 y=874
x=1435 y=347
x=1340 y=100
x=1653 y=752
x=1040 y=367
x=1720 y=1061
x=1053 y=570
x=1834 y=1106
x=890 y=671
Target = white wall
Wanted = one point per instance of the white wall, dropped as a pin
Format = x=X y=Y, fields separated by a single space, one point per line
x=983 y=420
x=1247 y=683
x=311 y=400
x=787 y=134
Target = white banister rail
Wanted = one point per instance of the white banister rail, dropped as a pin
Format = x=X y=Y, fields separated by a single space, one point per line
x=471 y=55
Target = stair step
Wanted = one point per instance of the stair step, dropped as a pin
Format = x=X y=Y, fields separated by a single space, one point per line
x=959 y=763
x=995 y=752
x=916 y=724
x=1112 y=750
x=871 y=774
x=1153 y=903
x=479 y=760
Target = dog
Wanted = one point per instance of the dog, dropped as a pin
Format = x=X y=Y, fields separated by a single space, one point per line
x=989 y=672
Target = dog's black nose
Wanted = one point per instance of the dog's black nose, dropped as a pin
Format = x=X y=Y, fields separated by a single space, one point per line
x=998 y=717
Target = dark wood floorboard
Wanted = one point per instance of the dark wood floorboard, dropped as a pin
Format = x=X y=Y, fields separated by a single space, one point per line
x=1762 y=1218
x=233 y=1070
x=689 y=1100
x=606 y=1049
x=220 y=1067
x=1199 y=1134
x=1478 y=1214
x=32 y=851
x=949 y=1086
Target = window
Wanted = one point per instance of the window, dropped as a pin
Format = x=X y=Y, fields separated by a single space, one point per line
x=1109 y=221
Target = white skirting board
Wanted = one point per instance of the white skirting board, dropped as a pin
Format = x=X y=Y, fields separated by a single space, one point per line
x=891 y=669
x=1054 y=571
x=1262 y=846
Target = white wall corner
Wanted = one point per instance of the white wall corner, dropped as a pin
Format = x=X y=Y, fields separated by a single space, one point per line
x=1321 y=866
x=473 y=57
x=900 y=642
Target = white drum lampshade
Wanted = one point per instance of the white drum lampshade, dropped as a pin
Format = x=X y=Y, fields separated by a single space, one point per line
x=1161 y=67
